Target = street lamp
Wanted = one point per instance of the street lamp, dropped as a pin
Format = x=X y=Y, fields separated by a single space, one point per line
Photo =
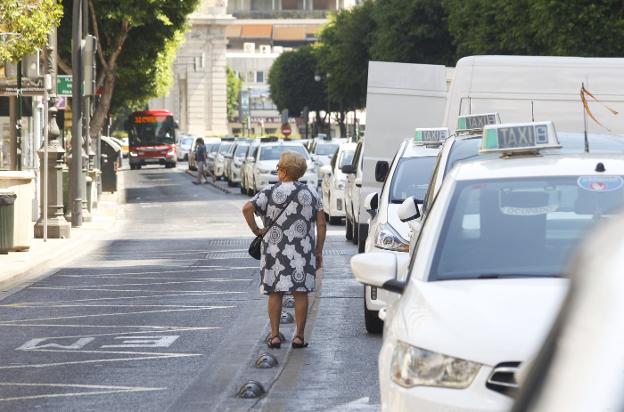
x=318 y=78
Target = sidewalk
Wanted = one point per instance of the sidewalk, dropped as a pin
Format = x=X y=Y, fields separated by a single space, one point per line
x=23 y=268
x=218 y=184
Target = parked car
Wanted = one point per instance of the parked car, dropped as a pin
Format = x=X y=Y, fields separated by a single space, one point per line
x=334 y=182
x=210 y=142
x=267 y=155
x=183 y=146
x=212 y=149
x=247 y=167
x=354 y=173
x=234 y=163
x=218 y=167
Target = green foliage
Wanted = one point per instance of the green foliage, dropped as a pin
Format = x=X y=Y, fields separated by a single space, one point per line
x=292 y=84
x=343 y=51
x=412 y=31
x=25 y=25
x=537 y=27
x=234 y=84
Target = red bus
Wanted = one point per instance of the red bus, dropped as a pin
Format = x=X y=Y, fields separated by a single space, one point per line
x=152 y=137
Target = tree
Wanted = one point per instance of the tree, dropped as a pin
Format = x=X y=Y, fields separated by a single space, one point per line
x=24 y=26
x=343 y=51
x=292 y=84
x=137 y=39
x=412 y=31
x=234 y=84
x=537 y=27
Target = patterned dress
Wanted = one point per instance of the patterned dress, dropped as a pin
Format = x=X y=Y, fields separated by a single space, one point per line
x=288 y=263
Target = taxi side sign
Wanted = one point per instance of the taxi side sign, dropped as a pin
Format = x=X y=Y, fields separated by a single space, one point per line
x=431 y=135
x=476 y=121
x=519 y=137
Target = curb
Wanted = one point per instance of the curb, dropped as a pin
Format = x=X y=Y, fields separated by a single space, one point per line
x=210 y=183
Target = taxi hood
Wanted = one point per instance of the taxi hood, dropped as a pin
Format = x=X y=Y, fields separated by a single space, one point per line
x=486 y=321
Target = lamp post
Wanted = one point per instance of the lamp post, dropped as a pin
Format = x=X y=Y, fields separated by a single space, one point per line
x=318 y=78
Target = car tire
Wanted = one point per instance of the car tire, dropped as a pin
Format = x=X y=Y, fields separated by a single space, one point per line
x=138 y=167
x=348 y=229
x=230 y=183
x=335 y=220
x=354 y=237
x=185 y=158
x=371 y=320
x=362 y=235
x=243 y=190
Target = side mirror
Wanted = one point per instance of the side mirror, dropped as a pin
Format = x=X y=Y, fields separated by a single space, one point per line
x=371 y=203
x=381 y=171
x=409 y=209
x=379 y=269
x=348 y=169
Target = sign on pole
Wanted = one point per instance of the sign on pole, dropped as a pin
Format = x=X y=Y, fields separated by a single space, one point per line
x=64 y=85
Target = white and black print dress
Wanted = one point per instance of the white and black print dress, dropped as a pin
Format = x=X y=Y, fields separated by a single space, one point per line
x=288 y=263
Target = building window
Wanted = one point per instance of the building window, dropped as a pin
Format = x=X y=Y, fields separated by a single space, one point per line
x=262 y=5
x=260 y=77
x=292 y=4
x=324 y=4
x=251 y=78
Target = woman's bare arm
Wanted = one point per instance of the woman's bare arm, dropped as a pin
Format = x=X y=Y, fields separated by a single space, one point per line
x=248 y=213
x=321 y=231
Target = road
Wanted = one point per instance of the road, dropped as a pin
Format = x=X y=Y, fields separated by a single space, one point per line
x=166 y=315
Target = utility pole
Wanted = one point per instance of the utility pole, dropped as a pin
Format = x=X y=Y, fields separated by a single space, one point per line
x=76 y=177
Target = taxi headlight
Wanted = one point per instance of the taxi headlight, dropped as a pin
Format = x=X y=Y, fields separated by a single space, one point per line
x=412 y=366
x=387 y=238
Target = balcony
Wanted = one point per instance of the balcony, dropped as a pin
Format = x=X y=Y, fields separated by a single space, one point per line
x=281 y=14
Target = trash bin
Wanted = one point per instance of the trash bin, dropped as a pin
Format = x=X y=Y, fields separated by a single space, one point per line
x=7 y=210
x=109 y=160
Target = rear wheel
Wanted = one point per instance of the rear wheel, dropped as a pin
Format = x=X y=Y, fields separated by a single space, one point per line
x=348 y=229
x=243 y=190
x=362 y=235
x=354 y=236
x=334 y=220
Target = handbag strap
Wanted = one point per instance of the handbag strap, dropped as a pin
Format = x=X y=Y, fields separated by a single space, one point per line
x=289 y=201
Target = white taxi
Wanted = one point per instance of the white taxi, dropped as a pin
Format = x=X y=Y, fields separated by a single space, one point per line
x=408 y=176
x=485 y=278
x=267 y=155
x=334 y=182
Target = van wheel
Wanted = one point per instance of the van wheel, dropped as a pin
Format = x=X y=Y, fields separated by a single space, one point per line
x=334 y=220
x=371 y=320
x=348 y=229
x=354 y=237
x=243 y=190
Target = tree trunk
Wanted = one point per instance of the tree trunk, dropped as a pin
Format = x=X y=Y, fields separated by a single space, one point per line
x=341 y=122
x=103 y=107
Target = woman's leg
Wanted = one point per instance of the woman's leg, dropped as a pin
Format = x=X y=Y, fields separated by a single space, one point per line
x=301 y=312
x=275 y=312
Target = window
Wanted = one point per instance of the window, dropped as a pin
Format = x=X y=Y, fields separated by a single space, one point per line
x=262 y=5
x=411 y=178
x=520 y=227
x=324 y=4
x=251 y=77
x=292 y=4
x=260 y=77
x=274 y=152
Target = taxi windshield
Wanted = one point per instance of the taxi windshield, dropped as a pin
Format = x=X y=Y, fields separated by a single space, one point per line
x=326 y=149
x=223 y=149
x=241 y=149
x=520 y=227
x=411 y=178
x=345 y=158
x=274 y=152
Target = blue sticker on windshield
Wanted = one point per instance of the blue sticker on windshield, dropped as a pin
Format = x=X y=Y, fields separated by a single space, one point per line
x=600 y=183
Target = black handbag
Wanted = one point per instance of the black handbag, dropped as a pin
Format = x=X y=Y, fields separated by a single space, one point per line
x=254 y=248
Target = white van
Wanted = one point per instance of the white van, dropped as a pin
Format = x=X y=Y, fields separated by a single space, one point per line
x=400 y=97
x=526 y=88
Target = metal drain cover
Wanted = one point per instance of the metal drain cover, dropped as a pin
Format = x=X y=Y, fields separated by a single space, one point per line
x=266 y=361
x=286 y=317
x=251 y=390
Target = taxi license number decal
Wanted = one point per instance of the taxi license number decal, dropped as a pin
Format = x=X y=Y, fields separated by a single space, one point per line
x=600 y=183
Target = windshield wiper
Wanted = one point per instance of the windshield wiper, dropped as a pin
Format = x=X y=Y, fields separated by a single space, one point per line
x=517 y=275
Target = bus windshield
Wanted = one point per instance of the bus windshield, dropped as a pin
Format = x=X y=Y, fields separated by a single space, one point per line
x=149 y=130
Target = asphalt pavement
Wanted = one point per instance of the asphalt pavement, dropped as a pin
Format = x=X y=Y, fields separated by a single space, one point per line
x=166 y=315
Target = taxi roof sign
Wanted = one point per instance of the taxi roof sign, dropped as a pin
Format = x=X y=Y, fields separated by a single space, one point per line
x=430 y=136
x=476 y=121
x=519 y=137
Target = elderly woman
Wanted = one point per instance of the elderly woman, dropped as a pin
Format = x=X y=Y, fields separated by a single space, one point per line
x=290 y=254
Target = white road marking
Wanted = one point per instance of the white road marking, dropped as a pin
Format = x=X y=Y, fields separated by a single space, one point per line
x=5 y=322
x=144 y=341
x=96 y=289
x=37 y=344
x=166 y=295
x=180 y=282
x=110 y=305
x=103 y=390
x=149 y=328
x=358 y=405
x=203 y=268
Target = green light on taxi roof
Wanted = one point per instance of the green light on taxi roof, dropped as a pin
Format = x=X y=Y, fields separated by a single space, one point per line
x=431 y=135
x=519 y=137
x=476 y=121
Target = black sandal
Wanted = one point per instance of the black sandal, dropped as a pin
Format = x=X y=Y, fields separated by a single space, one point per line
x=272 y=345
x=296 y=345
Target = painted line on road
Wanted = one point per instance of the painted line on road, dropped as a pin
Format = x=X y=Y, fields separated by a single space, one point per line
x=104 y=390
x=177 y=282
x=94 y=289
x=140 y=332
x=4 y=322
x=112 y=305
x=148 y=328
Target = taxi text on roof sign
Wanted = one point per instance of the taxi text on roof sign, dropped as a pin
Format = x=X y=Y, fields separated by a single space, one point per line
x=431 y=135
x=476 y=121
x=519 y=137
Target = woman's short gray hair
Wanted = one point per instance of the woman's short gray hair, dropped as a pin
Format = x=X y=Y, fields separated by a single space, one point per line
x=293 y=164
